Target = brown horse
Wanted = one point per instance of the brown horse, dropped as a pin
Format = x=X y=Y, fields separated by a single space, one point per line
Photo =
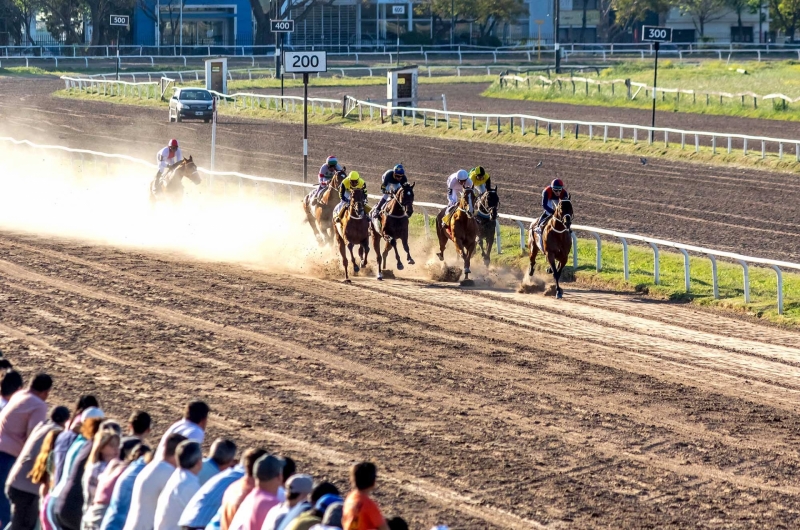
x=556 y=242
x=170 y=185
x=394 y=225
x=462 y=229
x=353 y=229
x=320 y=216
x=486 y=215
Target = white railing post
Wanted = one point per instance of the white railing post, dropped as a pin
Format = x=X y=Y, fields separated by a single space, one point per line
x=625 y=268
x=746 y=280
x=656 y=264
x=714 y=277
x=686 y=273
x=599 y=257
x=498 y=242
x=780 y=288
x=574 y=251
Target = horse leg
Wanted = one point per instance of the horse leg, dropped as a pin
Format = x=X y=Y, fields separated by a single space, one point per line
x=397 y=255
x=343 y=252
x=404 y=240
x=534 y=250
x=313 y=223
x=556 y=275
x=364 y=252
x=376 y=246
x=353 y=258
x=442 y=235
x=386 y=246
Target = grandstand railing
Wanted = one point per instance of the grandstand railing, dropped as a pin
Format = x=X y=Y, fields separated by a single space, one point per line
x=521 y=222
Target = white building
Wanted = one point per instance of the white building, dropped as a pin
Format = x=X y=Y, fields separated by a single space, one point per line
x=721 y=27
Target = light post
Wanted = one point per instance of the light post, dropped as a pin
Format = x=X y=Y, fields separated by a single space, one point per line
x=452 y=23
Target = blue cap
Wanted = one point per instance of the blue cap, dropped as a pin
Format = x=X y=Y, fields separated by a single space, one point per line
x=398 y=170
x=325 y=501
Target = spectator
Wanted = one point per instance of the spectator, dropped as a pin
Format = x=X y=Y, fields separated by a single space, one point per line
x=180 y=487
x=312 y=517
x=360 y=511
x=207 y=502
x=120 y=501
x=192 y=426
x=22 y=491
x=42 y=473
x=104 y=455
x=24 y=411
x=12 y=381
x=332 y=520
x=222 y=457
x=90 y=424
x=69 y=507
x=138 y=429
x=94 y=515
x=236 y=493
x=268 y=473
x=298 y=488
x=71 y=433
x=319 y=491
x=149 y=484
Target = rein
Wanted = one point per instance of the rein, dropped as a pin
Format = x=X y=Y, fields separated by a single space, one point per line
x=397 y=203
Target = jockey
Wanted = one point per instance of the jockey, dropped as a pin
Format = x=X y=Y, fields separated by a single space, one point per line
x=480 y=178
x=326 y=173
x=455 y=183
x=550 y=196
x=168 y=157
x=352 y=182
x=391 y=181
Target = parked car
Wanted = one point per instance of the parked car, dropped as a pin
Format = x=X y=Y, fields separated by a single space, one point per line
x=191 y=104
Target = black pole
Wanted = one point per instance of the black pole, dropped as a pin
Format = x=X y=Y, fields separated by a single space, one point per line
x=117 y=54
x=655 y=84
x=397 y=27
x=281 y=66
x=305 y=128
x=557 y=12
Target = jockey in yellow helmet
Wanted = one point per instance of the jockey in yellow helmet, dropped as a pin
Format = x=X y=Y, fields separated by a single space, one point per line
x=480 y=179
x=352 y=182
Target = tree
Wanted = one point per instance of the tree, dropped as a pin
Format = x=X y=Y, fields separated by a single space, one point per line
x=28 y=9
x=785 y=15
x=703 y=12
x=484 y=13
x=9 y=12
x=617 y=16
x=64 y=18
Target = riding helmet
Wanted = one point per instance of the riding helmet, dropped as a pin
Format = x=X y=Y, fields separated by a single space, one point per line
x=399 y=171
x=557 y=185
x=173 y=143
x=462 y=174
x=332 y=161
x=354 y=175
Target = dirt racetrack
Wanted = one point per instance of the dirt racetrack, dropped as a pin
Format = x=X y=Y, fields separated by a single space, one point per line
x=483 y=408
x=710 y=206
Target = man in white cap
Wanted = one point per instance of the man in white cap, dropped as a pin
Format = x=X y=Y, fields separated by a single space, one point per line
x=455 y=183
x=298 y=488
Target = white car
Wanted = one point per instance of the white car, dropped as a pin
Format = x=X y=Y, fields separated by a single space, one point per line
x=191 y=104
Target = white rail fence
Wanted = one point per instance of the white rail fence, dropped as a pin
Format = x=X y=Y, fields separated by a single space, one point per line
x=521 y=222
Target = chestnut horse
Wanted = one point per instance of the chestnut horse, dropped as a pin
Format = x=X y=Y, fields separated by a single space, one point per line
x=556 y=242
x=394 y=225
x=170 y=185
x=462 y=229
x=320 y=216
x=353 y=229
x=487 y=207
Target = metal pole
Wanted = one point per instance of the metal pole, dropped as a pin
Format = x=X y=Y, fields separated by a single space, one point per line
x=397 y=26
x=281 y=65
x=305 y=128
x=180 y=31
x=117 y=54
x=158 y=25
x=452 y=22
x=213 y=133
x=655 y=84
x=556 y=11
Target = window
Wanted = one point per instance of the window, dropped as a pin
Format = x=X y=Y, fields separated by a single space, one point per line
x=745 y=35
x=195 y=95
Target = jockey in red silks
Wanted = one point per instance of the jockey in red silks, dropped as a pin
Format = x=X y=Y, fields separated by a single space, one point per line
x=551 y=195
x=167 y=157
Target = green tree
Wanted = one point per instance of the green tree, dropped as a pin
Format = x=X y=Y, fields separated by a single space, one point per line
x=703 y=12
x=485 y=14
x=13 y=20
x=785 y=15
x=28 y=9
x=64 y=18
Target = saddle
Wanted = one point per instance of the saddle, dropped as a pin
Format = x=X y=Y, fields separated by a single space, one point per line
x=537 y=236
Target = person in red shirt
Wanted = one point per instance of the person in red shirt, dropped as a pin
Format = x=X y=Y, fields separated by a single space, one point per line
x=360 y=511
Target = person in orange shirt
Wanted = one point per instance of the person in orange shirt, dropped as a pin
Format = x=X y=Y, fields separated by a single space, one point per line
x=360 y=511
x=237 y=491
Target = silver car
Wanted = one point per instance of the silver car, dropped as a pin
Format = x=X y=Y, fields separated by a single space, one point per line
x=191 y=104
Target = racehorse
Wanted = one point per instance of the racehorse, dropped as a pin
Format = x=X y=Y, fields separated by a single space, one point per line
x=353 y=229
x=556 y=242
x=487 y=206
x=320 y=216
x=394 y=225
x=462 y=229
x=170 y=185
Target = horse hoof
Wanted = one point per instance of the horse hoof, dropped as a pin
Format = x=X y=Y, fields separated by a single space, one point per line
x=440 y=255
x=410 y=261
x=400 y=265
x=530 y=271
x=347 y=281
x=559 y=294
x=380 y=277
x=466 y=271
x=356 y=268
x=486 y=262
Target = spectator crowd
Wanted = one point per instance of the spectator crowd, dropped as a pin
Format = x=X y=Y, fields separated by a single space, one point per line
x=77 y=469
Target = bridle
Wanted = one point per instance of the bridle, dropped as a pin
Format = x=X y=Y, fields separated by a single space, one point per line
x=563 y=219
x=470 y=212
x=484 y=211
x=396 y=199
x=359 y=212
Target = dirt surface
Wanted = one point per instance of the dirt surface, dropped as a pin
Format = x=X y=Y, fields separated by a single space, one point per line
x=483 y=408
x=709 y=206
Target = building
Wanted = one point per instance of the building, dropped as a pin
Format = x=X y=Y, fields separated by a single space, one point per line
x=721 y=27
x=203 y=23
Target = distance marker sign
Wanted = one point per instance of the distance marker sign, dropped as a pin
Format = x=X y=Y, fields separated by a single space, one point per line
x=305 y=62
x=281 y=26
x=656 y=34
x=120 y=20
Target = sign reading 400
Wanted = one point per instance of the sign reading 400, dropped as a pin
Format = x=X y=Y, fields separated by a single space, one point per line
x=305 y=62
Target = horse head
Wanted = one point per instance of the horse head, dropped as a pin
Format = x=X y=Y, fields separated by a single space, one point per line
x=357 y=200
x=338 y=178
x=466 y=201
x=406 y=200
x=564 y=212
x=187 y=168
x=489 y=203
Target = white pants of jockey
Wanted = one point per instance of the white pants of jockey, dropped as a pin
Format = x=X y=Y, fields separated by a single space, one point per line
x=481 y=189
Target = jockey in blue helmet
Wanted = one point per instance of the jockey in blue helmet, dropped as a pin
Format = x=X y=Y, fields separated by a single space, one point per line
x=391 y=181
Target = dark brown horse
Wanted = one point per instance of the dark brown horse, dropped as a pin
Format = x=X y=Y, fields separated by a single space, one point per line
x=353 y=229
x=486 y=215
x=556 y=242
x=170 y=185
x=394 y=226
x=320 y=216
x=462 y=230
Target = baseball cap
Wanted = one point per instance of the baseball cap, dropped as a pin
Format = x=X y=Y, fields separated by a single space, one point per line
x=325 y=501
x=268 y=467
x=302 y=484
x=91 y=412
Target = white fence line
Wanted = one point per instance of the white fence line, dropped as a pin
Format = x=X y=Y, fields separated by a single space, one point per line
x=522 y=223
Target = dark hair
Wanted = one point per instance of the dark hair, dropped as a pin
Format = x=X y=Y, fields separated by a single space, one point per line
x=5 y=364
x=84 y=402
x=289 y=468
x=12 y=381
x=140 y=422
x=138 y=451
x=223 y=452
x=196 y=411
x=189 y=453
x=59 y=415
x=42 y=383
x=363 y=475
x=397 y=523
x=322 y=489
x=173 y=441
x=249 y=459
